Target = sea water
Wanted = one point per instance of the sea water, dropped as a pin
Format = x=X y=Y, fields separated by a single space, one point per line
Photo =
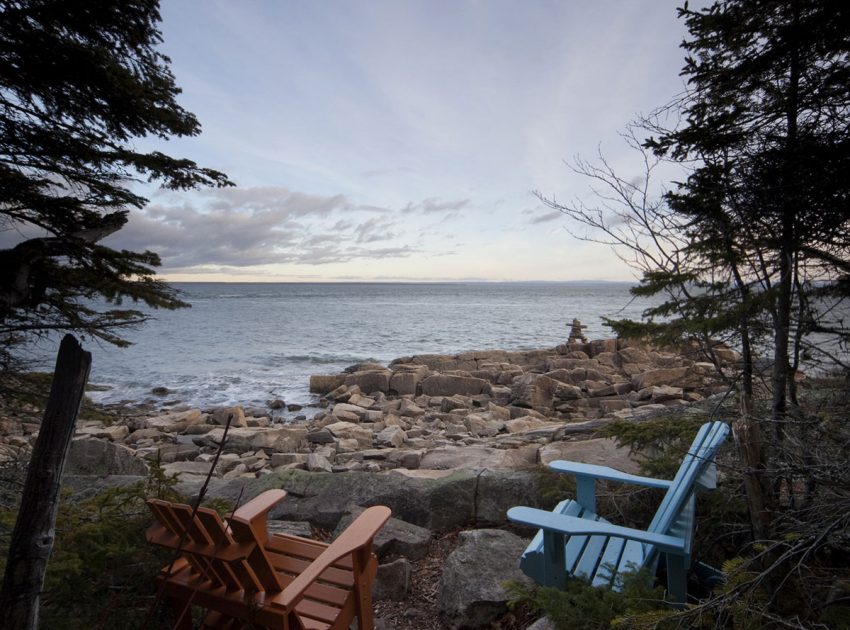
x=248 y=343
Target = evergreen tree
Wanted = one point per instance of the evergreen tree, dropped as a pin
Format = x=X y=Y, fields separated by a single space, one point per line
x=754 y=246
x=766 y=120
x=79 y=81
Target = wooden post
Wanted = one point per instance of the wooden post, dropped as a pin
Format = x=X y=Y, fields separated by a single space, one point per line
x=32 y=539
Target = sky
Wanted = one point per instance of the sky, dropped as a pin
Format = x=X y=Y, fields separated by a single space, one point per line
x=395 y=140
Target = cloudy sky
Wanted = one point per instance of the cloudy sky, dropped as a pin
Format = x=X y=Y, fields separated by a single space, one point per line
x=398 y=140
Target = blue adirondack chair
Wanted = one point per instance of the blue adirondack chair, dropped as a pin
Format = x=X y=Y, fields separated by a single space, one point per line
x=574 y=541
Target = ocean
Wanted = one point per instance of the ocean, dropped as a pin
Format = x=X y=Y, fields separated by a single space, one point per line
x=248 y=343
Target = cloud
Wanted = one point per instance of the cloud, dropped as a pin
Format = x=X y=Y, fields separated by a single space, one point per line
x=545 y=218
x=434 y=204
x=375 y=229
x=251 y=227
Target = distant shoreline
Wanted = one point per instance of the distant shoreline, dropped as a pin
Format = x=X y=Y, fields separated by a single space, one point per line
x=411 y=282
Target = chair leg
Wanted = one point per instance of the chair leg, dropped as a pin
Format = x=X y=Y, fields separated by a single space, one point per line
x=677 y=580
x=362 y=589
x=554 y=559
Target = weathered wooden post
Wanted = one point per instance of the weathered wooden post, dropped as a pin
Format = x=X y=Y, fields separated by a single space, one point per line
x=32 y=539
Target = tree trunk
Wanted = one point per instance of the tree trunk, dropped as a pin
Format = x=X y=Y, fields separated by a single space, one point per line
x=748 y=436
x=787 y=246
x=32 y=539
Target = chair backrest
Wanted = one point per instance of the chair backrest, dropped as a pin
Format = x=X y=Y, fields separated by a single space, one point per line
x=227 y=556
x=697 y=471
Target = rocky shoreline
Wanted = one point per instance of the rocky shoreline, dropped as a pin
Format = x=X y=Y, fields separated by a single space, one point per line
x=420 y=415
x=448 y=442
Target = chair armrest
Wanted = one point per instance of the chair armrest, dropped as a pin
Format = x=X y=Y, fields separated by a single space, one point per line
x=604 y=472
x=259 y=506
x=573 y=526
x=356 y=536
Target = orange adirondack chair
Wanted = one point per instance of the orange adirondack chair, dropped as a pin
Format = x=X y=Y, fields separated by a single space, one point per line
x=246 y=578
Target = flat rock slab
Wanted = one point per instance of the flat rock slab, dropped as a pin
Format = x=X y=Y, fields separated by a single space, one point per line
x=187 y=468
x=93 y=456
x=471 y=595
x=479 y=497
x=293 y=528
x=599 y=451
x=452 y=457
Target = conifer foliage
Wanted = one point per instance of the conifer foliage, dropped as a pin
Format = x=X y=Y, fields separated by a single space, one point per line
x=79 y=82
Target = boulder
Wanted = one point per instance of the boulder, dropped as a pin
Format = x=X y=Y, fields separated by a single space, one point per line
x=471 y=593
x=600 y=346
x=248 y=439
x=482 y=427
x=403 y=383
x=410 y=409
x=395 y=538
x=662 y=393
x=317 y=462
x=437 y=500
x=145 y=434
x=370 y=381
x=113 y=433
x=393 y=436
x=174 y=422
x=450 y=385
x=450 y=403
x=221 y=414
x=523 y=424
x=169 y=453
x=320 y=436
x=674 y=376
x=285 y=459
x=91 y=456
x=407 y=459
x=497 y=491
x=324 y=383
x=349 y=430
x=633 y=355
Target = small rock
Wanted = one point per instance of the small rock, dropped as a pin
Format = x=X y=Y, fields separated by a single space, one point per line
x=317 y=462
x=321 y=436
x=391 y=436
x=284 y=459
x=392 y=581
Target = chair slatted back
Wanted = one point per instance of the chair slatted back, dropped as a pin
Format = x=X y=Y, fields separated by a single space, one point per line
x=208 y=532
x=697 y=469
x=259 y=560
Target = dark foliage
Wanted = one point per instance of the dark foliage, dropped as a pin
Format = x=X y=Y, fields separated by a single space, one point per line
x=79 y=81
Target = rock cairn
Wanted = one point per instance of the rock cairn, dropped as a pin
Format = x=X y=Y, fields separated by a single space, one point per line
x=576 y=334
